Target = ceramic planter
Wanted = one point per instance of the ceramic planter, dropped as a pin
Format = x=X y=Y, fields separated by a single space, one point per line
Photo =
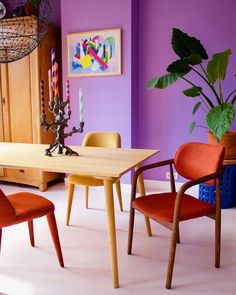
x=228 y=140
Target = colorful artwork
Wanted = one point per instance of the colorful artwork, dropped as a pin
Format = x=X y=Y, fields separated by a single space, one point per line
x=96 y=53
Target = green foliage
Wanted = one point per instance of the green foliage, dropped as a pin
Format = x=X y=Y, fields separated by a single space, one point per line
x=191 y=53
x=220 y=118
x=193 y=91
x=164 y=80
x=217 y=67
x=183 y=65
x=196 y=107
x=184 y=45
x=192 y=126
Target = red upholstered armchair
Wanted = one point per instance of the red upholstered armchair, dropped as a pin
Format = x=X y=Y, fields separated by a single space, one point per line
x=199 y=163
x=23 y=206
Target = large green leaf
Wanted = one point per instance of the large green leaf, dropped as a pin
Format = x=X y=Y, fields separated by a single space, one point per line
x=184 y=45
x=179 y=66
x=193 y=91
x=220 y=118
x=164 y=80
x=194 y=59
x=217 y=66
x=182 y=65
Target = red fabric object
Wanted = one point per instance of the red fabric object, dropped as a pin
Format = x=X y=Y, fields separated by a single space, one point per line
x=161 y=207
x=194 y=160
x=7 y=212
x=29 y=206
x=23 y=206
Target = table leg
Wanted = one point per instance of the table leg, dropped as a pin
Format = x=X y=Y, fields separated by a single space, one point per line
x=111 y=230
x=141 y=189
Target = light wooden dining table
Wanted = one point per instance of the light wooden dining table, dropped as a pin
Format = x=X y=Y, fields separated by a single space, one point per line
x=108 y=164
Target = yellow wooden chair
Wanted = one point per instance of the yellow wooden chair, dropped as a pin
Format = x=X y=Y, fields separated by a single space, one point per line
x=95 y=139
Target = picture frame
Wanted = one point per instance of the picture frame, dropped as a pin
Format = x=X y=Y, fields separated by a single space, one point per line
x=94 y=53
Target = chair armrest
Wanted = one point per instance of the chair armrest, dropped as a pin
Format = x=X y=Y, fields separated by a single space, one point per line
x=189 y=184
x=153 y=165
x=144 y=168
x=200 y=180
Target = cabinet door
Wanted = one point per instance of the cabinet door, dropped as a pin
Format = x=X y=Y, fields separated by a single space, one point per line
x=2 y=101
x=1 y=123
x=52 y=40
x=19 y=99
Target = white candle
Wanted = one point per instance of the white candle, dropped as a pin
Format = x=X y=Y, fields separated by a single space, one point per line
x=81 y=109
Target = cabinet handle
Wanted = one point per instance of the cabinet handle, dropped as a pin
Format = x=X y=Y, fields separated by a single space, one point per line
x=22 y=171
x=3 y=100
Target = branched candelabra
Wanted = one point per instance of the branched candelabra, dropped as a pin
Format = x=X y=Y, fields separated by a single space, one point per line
x=58 y=125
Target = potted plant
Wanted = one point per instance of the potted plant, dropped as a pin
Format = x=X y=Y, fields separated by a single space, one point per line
x=220 y=111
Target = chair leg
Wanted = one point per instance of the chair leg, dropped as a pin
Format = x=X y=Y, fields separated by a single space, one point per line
x=118 y=191
x=55 y=237
x=86 y=192
x=217 y=241
x=217 y=225
x=31 y=232
x=71 y=188
x=171 y=261
x=131 y=230
x=0 y=238
x=178 y=237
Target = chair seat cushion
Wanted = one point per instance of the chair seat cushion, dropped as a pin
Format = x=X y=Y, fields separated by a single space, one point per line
x=28 y=206
x=161 y=207
x=85 y=180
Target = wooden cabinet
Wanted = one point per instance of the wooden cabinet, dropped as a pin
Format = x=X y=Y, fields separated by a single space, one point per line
x=20 y=106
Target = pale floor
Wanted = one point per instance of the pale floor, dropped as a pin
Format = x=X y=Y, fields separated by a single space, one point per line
x=29 y=271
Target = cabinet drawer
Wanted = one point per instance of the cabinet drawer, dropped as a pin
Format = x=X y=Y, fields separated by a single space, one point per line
x=2 y=172
x=22 y=173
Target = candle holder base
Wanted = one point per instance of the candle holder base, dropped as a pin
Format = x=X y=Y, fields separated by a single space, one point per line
x=53 y=147
x=58 y=125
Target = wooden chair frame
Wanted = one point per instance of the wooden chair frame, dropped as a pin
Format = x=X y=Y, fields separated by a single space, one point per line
x=174 y=226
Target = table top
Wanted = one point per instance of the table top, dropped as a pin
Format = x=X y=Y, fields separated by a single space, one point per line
x=92 y=161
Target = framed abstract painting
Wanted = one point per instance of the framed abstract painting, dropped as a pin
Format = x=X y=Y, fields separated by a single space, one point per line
x=94 y=53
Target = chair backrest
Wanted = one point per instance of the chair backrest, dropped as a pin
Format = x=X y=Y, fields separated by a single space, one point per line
x=195 y=159
x=7 y=212
x=102 y=139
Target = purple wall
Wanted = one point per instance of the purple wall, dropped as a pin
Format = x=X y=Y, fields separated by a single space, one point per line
x=154 y=118
x=165 y=115
x=107 y=100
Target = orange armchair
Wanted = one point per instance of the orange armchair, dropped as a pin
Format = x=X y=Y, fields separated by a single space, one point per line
x=21 y=207
x=199 y=163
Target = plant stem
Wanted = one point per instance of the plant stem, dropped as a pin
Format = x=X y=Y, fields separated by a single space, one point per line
x=204 y=71
x=233 y=100
x=212 y=87
x=204 y=109
x=202 y=126
x=220 y=90
x=228 y=97
x=207 y=99
x=202 y=100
